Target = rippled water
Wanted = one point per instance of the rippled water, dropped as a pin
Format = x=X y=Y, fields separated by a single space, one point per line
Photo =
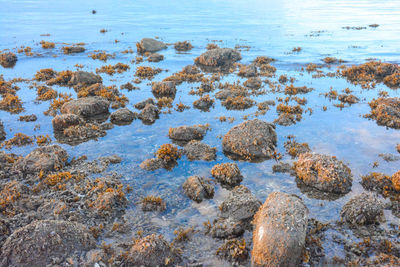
x=270 y=28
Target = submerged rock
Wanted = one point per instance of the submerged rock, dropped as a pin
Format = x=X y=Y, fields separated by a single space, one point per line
x=2 y=132
x=28 y=118
x=227 y=228
x=152 y=251
x=42 y=242
x=87 y=107
x=280 y=231
x=188 y=133
x=219 y=58
x=198 y=188
x=149 y=45
x=248 y=71
x=122 y=116
x=251 y=140
x=363 y=209
x=228 y=174
x=149 y=114
x=155 y=57
x=240 y=204
x=63 y=121
x=8 y=59
x=46 y=158
x=152 y=164
x=183 y=46
x=323 y=172
x=196 y=150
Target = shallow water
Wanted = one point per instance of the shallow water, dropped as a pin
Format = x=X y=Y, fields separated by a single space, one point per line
x=270 y=28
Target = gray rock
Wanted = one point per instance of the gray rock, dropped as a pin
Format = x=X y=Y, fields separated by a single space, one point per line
x=149 y=114
x=280 y=231
x=250 y=140
x=219 y=57
x=163 y=89
x=240 y=204
x=84 y=78
x=2 y=132
x=227 y=228
x=196 y=150
x=227 y=174
x=155 y=57
x=36 y=244
x=8 y=60
x=323 y=172
x=198 y=188
x=122 y=116
x=188 y=133
x=87 y=107
x=152 y=164
x=63 y=121
x=248 y=71
x=363 y=209
x=150 y=45
x=142 y=104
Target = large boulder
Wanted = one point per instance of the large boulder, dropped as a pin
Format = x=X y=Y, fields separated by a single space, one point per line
x=323 y=172
x=218 y=58
x=42 y=242
x=363 y=209
x=46 y=158
x=197 y=188
x=150 y=45
x=87 y=107
x=152 y=251
x=280 y=231
x=122 y=116
x=254 y=139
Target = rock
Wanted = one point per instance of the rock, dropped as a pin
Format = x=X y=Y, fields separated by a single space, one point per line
x=283 y=167
x=28 y=118
x=152 y=251
x=363 y=209
x=113 y=159
x=253 y=83
x=153 y=203
x=152 y=164
x=87 y=107
x=84 y=78
x=386 y=111
x=38 y=243
x=250 y=140
x=155 y=57
x=248 y=71
x=63 y=121
x=227 y=174
x=73 y=49
x=227 y=228
x=238 y=103
x=204 y=103
x=196 y=150
x=149 y=114
x=150 y=45
x=8 y=59
x=122 y=116
x=142 y=104
x=2 y=132
x=240 y=204
x=198 y=188
x=389 y=157
x=285 y=119
x=280 y=231
x=46 y=158
x=183 y=46
x=163 y=89
x=188 y=133
x=396 y=181
x=218 y=58
x=324 y=173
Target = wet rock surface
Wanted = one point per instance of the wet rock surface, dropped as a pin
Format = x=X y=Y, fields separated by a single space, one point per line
x=252 y=139
x=227 y=228
x=8 y=59
x=228 y=174
x=219 y=58
x=150 y=45
x=196 y=150
x=323 y=172
x=363 y=209
x=198 y=188
x=280 y=231
x=188 y=133
x=43 y=242
x=122 y=116
x=2 y=132
x=63 y=121
x=155 y=57
x=149 y=114
x=152 y=251
x=163 y=89
x=386 y=112
x=86 y=107
x=142 y=104
x=84 y=78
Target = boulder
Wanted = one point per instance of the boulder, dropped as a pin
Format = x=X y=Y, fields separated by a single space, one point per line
x=2 y=132
x=227 y=174
x=363 y=209
x=323 y=172
x=197 y=188
x=8 y=59
x=218 y=58
x=150 y=45
x=142 y=104
x=149 y=114
x=38 y=243
x=84 y=78
x=251 y=140
x=280 y=231
x=87 y=107
x=196 y=150
x=163 y=89
x=188 y=133
x=122 y=116
x=63 y=121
